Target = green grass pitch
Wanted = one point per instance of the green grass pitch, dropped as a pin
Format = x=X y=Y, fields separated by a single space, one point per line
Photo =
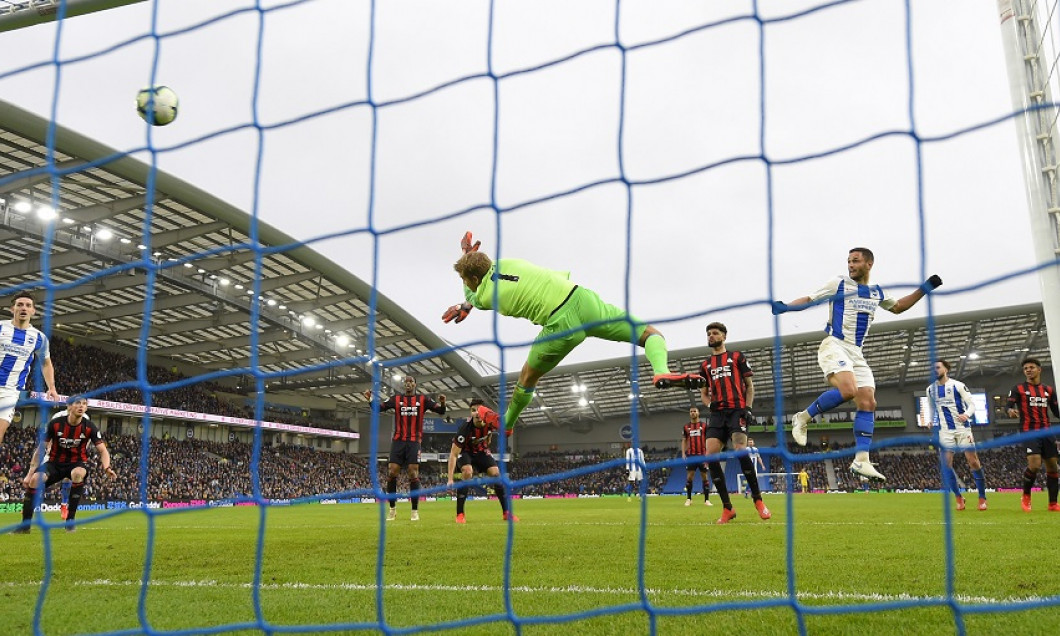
x=319 y=569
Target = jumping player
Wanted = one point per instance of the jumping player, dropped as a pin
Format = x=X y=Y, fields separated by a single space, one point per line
x=22 y=343
x=548 y=298
x=852 y=307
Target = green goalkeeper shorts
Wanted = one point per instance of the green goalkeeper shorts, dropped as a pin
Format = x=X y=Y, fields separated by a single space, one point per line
x=583 y=307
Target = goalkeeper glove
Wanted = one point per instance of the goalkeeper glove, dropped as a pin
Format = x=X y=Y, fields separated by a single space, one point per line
x=457 y=312
x=933 y=282
x=778 y=307
x=467 y=247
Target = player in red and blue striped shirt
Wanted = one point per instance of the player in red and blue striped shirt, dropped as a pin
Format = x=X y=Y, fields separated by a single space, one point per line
x=694 y=444
x=1031 y=402
x=470 y=454
x=729 y=394
x=65 y=448
x=409 y=410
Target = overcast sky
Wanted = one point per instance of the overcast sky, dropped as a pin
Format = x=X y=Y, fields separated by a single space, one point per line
x=699 y=243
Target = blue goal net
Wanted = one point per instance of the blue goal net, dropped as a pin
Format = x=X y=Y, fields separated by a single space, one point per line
x=688 y=160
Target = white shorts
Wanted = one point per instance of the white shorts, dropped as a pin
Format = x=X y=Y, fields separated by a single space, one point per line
x=8 y=400
x=835 y=355
x=957 y=439
x=636 y=475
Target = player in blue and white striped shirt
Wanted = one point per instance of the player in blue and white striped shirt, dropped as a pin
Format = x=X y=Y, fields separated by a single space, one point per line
x=635 y=467
x=21 y=344
x=952 y=402
x=851 y=310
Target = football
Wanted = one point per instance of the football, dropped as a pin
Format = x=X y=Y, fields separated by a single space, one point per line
x=157 y=105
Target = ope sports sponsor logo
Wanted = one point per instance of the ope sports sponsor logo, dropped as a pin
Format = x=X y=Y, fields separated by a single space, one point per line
x=721 y=372
x=1036 y=401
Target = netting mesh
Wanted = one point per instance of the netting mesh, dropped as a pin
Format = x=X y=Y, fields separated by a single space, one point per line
x=625 y=173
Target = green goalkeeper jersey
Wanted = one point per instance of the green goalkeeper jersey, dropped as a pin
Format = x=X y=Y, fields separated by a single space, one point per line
x=524 y=290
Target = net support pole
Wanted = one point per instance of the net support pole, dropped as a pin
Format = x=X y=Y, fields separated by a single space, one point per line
x=27 y=13
x=1028 y=56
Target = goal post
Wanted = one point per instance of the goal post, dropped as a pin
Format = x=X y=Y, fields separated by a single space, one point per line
x=770 y=482
x=24 y=13
x=1030 y=42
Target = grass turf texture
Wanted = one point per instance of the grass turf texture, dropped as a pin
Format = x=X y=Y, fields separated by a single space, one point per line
x=851 y=552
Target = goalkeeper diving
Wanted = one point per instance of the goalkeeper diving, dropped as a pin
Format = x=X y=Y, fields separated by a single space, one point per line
x=550 y=299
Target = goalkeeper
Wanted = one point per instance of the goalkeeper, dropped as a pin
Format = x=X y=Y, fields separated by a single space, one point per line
x=548 y=298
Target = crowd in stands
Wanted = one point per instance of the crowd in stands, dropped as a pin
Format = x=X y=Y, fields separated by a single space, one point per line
x=183 y=469
x=193 y=469
x=914 y=468
x=600 y=481
x=83 y=368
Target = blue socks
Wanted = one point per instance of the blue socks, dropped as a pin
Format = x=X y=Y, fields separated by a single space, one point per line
x=826 y=402
x=864 y=424
x=980 y=482
x=952 y=484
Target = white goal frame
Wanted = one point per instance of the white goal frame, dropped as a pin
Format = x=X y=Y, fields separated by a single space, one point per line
x=741 y=482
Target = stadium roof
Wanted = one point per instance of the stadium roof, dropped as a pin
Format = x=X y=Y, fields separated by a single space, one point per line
x=199 y=251
x=196 y=242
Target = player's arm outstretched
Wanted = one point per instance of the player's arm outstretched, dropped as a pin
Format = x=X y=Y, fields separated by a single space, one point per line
x=459 y=312
x=907 y=301
x=828 y=290
x=902 y=304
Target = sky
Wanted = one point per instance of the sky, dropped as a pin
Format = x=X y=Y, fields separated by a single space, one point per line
x=730 y=230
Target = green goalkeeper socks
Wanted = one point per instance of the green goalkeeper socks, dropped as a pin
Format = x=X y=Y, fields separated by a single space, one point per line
x=520 y=399
x=655 y=351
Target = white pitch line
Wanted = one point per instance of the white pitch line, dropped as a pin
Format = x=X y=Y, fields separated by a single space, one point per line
x=833 y=595
x=633 y=523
